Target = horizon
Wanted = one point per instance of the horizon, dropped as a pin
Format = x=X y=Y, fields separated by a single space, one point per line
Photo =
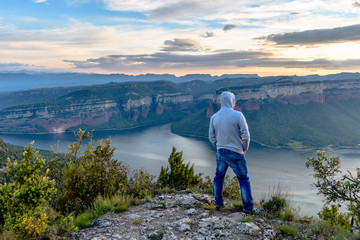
x=171 y=74
x=181 y=37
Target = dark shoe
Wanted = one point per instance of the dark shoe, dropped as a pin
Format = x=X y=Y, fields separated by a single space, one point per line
x=249 y=212
x=218 y=207
x=254 y=211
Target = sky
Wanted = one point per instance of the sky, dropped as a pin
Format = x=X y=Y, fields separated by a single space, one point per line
x=264 y=37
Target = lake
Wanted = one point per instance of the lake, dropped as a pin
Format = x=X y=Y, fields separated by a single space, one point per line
x=149 y=148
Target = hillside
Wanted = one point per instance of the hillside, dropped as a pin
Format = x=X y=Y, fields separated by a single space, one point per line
x=291 y=114
x=281 y=111
x=109 y=106
x=9 y=151
x=300 y=126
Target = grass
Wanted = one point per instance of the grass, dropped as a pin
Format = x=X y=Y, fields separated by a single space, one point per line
x=137 y=222
x=118 y=203
x=238 y=206
x=288 y=230
x=247 y=219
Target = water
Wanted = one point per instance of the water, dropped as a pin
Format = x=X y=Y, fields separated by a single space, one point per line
x=149 y=149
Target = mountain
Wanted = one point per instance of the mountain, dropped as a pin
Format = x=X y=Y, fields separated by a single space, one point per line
x=109 y=106
x=20 y=81
x=291 y=114
x=281 y=111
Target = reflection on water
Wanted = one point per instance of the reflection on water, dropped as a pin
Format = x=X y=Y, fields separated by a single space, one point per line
x=149 y=148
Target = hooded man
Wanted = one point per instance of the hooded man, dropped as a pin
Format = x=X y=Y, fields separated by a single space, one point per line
x=229 y=133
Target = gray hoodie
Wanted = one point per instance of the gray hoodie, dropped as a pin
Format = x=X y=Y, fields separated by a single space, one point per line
x=228 y=128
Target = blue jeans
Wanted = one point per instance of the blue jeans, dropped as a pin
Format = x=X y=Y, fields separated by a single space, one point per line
x=237 y=162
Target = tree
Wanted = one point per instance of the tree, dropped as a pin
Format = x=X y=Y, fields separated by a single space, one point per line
x=336 y=189
x=180 y=175
x=88 y=175
x=23 y=200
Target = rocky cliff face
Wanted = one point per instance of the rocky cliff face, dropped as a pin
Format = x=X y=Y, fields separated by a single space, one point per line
x=135 y=105
x=290 y=92
x=58 y=116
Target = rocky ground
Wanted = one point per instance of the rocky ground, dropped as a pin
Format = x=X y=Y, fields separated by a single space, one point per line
x=181 y=216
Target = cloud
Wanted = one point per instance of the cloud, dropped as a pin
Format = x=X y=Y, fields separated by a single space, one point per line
x=356 y=4
x=234 y=59
x=166 y=60
x=176 y=10
x=179 y=44
x=317 y=36
x=208 y=35
x=39 y=1
x=228 y=27
x=321 y=63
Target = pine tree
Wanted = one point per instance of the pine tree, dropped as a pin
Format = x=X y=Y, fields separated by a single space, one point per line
x=180 y=175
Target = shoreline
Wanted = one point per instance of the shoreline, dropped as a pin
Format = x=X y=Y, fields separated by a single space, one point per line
x=326 y=148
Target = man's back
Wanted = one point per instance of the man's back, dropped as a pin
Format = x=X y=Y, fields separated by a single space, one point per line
x=228 y=128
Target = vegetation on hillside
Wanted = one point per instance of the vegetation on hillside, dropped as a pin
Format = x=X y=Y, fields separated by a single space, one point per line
x=50 y=199
x=299 y=126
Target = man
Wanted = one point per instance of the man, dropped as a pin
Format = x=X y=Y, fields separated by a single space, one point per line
x=228 y=132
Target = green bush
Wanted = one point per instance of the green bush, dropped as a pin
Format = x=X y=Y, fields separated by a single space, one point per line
x=206 y=185
x=288 y=214
x=274 y=206
x=334 y=217
x=83 y=220
x=23 y=201
x=288 y=230
x=336 y=189
x=86 y=176
x=180 y=175
x=140 y=184
x=231 y=188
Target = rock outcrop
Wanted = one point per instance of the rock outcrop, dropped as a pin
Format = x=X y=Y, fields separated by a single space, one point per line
x=173 y=217
x=294 y=92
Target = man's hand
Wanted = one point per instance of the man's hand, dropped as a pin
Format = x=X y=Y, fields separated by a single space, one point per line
x=244 y=152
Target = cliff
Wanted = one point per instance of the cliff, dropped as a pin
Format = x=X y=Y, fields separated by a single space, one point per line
x=287 y=113
x=106 y=106
x=280 y=111
x=294 y=92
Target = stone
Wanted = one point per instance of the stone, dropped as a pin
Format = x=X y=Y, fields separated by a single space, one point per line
x=191 y=211
x=178 y=222
x=202 y=198
x=101 y=223
x=204 y=215
x=236 y=217
x=248 y=228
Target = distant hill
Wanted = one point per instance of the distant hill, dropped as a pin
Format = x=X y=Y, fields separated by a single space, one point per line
x=282 y=111
x=11 y=151
x=20 y=81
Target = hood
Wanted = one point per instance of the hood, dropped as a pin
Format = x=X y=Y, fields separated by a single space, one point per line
x=227 y=99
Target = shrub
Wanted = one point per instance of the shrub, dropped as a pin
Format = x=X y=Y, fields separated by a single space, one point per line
x=288 y=214
x=83 y=220
x=344 y=189
x=275 y=205
x=180 y=175
x=333 y=216
x=288 y=230
x=140 y=184
x=206 y=185
x=23 y=201
x=231 y=188
x=86 y=176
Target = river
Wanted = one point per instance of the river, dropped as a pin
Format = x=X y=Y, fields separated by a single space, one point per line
x=149 y=148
